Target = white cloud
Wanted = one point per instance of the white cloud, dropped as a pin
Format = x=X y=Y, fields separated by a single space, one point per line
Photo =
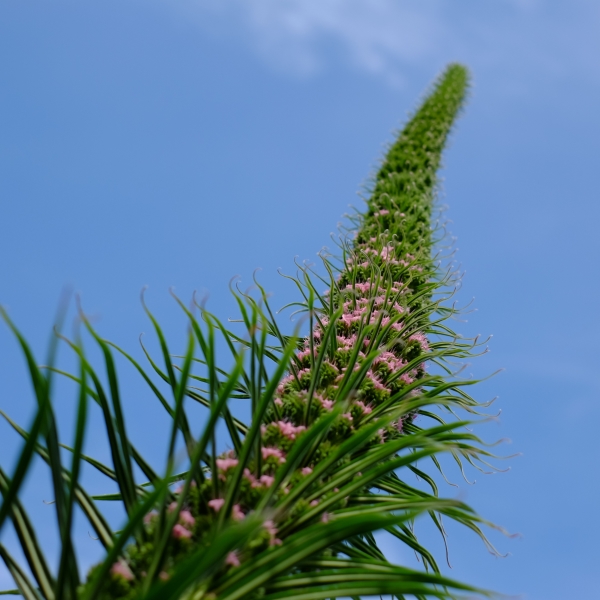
x=387 y=37
x=375 y=36
x=301 y=36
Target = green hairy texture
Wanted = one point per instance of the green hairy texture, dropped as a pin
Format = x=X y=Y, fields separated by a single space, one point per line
x=342 y=420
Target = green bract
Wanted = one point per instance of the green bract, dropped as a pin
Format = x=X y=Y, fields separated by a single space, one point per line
x=290 y=511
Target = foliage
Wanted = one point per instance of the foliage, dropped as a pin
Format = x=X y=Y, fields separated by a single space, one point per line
x=290 y=511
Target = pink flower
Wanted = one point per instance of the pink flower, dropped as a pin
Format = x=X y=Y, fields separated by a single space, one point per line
x=265 y=480
x=348 y=416
x=386 y=252
x=421 y=339
x=224 y=464
x=185 y=516
x=180 y=532
x=365 y=408
x=278 y=401
x=232 y=559
x=361 y=287
x=304 y=353
x=149 y=518
x=281 y=387
x=237 y=513
x=347 y=319
x=327 y=404
x=325 y=518
x=289 y=430
x=121 y=569
x=406 y=378
x=270 y=527
x=314 y=503
x=275 y=452
x=302 y=372
x=378 y=385
x=249 y=477
x=306 y=470
x=347 y=342
x=216 y=504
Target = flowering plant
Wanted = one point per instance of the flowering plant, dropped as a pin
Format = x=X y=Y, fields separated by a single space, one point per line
x=338 y=417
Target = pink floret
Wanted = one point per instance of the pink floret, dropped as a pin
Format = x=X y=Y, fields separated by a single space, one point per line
x=386 y=252
x=378 y=385
x=149 y=517
x=216 y=504
x=121 y=569
x=366 y=409
x=327 y=404
x=225 y=464
x=232 y=559
x=237 y=513
x=270 y=527
x=249 y=477
x=421 y=339
x=180 y=532
x=186 y=517
x=275 y=452
x=267 y=480
x=289 y=430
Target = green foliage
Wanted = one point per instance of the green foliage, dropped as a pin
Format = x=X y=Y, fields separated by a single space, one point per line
x=290 y=510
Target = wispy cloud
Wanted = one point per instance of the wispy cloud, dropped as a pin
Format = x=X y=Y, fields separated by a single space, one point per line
x=388 y=37
x=377 y=36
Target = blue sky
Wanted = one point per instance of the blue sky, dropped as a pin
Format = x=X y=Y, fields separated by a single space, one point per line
x=180 y=143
